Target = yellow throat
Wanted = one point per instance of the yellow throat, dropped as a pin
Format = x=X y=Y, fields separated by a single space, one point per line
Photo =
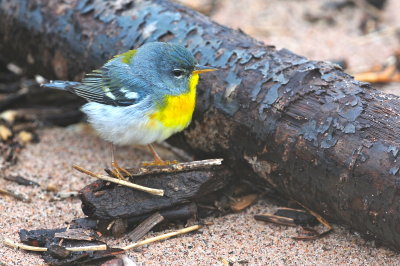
x=177 y=110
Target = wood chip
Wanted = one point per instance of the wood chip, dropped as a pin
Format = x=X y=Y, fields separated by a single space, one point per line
x=16 y=195
x=24 y=137
x=144 y=227
x=161 y=237
x=65 y=195
x=9 y=116
x=21 y=180
x=271 y=218
x=77 y=234
x=5 y=133
x=243 y=202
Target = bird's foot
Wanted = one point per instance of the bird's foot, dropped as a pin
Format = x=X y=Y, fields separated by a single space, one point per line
x=118 y=171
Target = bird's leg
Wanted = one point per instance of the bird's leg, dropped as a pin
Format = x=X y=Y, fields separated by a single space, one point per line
x=157 y=158
x=115 y=168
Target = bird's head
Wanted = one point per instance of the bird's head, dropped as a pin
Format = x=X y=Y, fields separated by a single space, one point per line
x=168 y=66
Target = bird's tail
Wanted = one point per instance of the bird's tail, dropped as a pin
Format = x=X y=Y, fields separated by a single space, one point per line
x=61 y=85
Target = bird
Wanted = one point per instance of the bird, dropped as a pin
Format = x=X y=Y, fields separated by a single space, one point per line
x=139 y=97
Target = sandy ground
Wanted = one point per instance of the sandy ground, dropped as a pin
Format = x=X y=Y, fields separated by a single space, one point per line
x=235 y=237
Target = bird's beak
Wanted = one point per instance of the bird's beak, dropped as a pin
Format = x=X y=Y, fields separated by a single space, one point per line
x=202 y=69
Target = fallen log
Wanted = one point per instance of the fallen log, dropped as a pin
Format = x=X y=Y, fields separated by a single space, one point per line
x=303 y=128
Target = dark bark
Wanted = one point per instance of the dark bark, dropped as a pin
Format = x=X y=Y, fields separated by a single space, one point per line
x=177 y=213
x=112 y=202
x=304 y=128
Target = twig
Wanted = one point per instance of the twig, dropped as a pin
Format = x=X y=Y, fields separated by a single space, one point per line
x=62 y=239
x=276 y=219
x=16 y=195
x=21 y=180
x=161 y=237
x=110 y=225
x=315 y=235
x=10 y=243
x=153 y=191
x=318 y=217
x=145 y=226
x=321 y=220
x=87 y=248
x=173 y=168
x=65 y=195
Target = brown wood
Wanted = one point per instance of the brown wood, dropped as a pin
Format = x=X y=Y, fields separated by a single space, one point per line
x=77 y=234
x=144 y=227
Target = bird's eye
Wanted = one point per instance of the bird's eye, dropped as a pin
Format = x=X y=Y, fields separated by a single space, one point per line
x=178 y=72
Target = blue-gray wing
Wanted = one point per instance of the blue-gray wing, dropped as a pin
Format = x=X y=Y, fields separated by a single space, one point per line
x=113 y=84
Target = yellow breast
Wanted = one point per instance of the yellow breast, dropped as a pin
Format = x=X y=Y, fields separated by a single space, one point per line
x=176 y=111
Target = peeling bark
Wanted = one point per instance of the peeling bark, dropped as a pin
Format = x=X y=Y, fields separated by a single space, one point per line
x=109 y=202
x=302 y=127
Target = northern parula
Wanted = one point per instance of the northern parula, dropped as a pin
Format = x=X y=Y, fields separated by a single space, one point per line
x=141 y=96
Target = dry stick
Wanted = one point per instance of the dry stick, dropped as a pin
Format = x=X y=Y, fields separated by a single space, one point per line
x=145 y=226
x=321 y=220
x=318 y=217
x=10 y=243
x=76 y=234
x=161 y=237
x=153 y=191
x=172 y=168
x=276 y=219
x=16 y=195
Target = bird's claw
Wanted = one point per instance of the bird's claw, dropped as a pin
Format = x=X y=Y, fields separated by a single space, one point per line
x=117 y=171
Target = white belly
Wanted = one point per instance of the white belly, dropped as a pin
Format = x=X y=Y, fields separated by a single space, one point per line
x=125 y=125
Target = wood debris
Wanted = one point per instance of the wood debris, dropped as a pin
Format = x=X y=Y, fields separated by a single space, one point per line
x=10 y=243
x=176 y=213
x=162 y=237
x=153 y=191
x=144 y=227
x=389 y=72
x=65 y=195
x=17 y=195
x=243 y=202
x=78 y=234
x=24 y=137
x=179 y=187
x=46 y=241
x=21 y=180
x=5 y=133
x=296 y=217
x=173 y=168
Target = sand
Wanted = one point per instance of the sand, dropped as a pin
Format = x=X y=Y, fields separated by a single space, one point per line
x=235 y=237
